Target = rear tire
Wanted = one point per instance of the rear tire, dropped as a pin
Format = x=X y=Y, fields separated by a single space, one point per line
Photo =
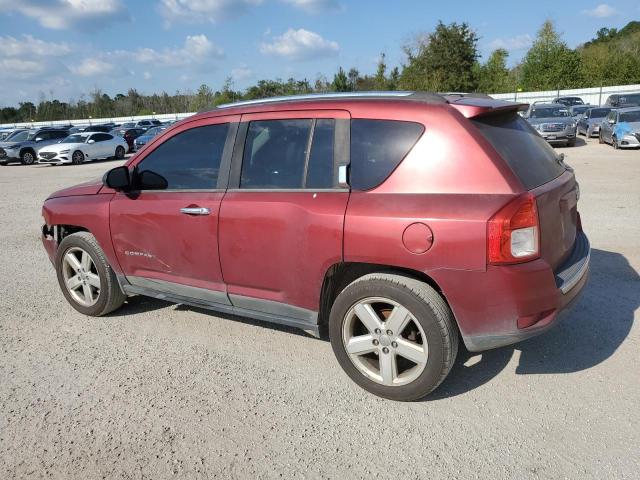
x=120 y=152
x=100 y=300
x=429 y=332
x=77 y=158
x=600 y=139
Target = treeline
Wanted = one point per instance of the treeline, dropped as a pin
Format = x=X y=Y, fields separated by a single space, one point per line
x=445 y=60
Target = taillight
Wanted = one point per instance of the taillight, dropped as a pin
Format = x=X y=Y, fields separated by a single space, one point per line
x=514 y=232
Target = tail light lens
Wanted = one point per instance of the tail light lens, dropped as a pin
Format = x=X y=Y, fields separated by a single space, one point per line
x=514 y=232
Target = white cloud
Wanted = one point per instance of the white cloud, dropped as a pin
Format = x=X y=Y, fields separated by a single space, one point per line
x=91 y=67
x=519 y=42
x=300 y=44
x=241 y=73
x=197 y=49
x=197 y=11
x=63 y=14
x=22 y=68
x=30 y=46
x=601 y=11
x=315 y=6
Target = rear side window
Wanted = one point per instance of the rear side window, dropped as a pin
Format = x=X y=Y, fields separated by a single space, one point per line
x=189 y=160
x=530 y=157
x=377 y=148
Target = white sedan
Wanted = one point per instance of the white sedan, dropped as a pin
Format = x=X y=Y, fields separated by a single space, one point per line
x=83 y=147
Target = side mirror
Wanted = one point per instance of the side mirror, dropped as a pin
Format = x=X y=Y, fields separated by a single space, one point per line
x=149 y=180
x=39 y=139
x=611 y=121
x=118 y=178
x=91 y=141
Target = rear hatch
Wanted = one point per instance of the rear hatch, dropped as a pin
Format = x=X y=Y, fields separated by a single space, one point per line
x=543 y=173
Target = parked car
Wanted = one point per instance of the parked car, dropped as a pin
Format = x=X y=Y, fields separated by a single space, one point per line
x=147 y=136
x=99 y=128
x=126 y=125
x=146 y=124
x=77 y=129
x=621 y=128
x=5 y=133
x=23 y=147
x=554 y=123
x=83 y=147
x=129 y=135
x=589 y=123
x=568 y=101
x=623 y=100
x=336 y=211
x=577 y=111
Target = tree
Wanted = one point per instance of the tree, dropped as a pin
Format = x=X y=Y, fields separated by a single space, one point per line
x=442 y=60
x=203 y=98
x=494 y=76
x=550 y=64
x=354 y=76
x=381 y=71
x=340 y=82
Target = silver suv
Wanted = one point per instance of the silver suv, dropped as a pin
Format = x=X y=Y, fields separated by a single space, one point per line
x=554 y=122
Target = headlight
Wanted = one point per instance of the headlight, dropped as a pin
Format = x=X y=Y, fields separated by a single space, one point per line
x=572 y=124
x=64 y=151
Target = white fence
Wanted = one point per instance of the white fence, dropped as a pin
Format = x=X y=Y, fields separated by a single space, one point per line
x=97 y=121
x=593 y=96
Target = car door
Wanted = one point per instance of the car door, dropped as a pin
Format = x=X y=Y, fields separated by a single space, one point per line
x=166 y=234
x=606 y=127
x=282 y=218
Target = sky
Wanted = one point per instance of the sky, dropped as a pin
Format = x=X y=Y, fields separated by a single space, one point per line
x=66 y=48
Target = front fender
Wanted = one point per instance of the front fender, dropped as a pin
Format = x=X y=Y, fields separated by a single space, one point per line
x=90 y=212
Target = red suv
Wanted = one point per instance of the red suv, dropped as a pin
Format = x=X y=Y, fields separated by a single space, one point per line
x=398 y=222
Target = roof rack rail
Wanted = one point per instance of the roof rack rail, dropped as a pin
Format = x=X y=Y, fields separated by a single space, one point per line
x=319 y=96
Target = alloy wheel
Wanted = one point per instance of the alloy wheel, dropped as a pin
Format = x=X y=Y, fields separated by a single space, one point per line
x=28 y=158
x=384 y=341
x=77 y=158
x=81 y=276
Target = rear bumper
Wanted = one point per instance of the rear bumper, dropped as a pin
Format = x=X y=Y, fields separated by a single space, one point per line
x=508 y=304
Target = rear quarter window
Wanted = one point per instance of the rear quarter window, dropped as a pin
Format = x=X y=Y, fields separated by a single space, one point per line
x=530 y=157
x=377 y=148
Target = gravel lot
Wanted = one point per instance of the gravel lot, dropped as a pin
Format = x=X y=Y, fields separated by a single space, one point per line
x=159 y=390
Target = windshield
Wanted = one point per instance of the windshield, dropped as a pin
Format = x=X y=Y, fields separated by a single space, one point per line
x=154 y=131
x=579 y=110
x=548 y=112
x=74 y=139
x=634 y=99
x=21 y=136
x=630 y=116
x=600 y=112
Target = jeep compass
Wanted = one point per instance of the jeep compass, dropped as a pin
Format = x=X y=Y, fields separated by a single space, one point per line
x=396 y=223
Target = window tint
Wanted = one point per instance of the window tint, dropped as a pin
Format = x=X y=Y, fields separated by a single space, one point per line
x=189 y=160
x=101 y=137
x=320 y=168
x=529 y=155
x=377 y=148
x=275 y=153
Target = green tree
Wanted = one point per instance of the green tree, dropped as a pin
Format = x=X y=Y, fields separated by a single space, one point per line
x=494 y=76
x=550 y=64
x=443 y=60
x=340 y=82
x=381 y=74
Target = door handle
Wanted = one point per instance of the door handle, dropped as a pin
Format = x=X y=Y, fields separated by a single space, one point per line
x=195 y=211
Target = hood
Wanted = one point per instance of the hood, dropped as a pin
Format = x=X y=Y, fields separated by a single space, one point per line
x=12 y=144
x=629 y=127
x=538 y=121
x=58 y=147
x=87 y=188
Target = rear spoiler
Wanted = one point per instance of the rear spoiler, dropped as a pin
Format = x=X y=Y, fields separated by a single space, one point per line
x=482 y=106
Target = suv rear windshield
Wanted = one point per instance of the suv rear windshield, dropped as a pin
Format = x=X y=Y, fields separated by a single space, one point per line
x=530 y=157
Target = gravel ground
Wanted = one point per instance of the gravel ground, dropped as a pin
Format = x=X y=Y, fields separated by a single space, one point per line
x=159 y=390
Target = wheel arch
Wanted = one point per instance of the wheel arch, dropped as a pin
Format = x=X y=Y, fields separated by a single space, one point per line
x=341 y=274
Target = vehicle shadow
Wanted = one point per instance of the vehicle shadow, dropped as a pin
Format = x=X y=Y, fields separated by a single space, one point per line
x=587 y=335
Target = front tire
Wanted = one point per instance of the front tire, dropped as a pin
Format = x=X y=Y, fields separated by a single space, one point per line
x=28 y=157
x=393 y=335
x=85 y=277
x=614 y=143
x=77 y=158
